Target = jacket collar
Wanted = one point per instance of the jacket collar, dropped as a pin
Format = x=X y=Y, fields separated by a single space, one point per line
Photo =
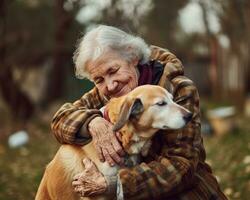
x=150 y=72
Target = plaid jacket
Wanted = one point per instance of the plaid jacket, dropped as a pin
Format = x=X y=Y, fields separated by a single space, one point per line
x=175 y=167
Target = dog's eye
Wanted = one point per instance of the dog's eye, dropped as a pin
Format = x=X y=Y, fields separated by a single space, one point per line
x=161 y=103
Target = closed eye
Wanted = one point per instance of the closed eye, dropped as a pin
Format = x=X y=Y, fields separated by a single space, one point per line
x=99 y=80
x=161 y=103
x=113 y=70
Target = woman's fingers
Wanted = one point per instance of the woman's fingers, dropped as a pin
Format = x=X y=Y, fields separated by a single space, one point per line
x=113 y=148
x=119 y=136
x=90 y=181
x=106 y=143
x=110 y=154
x=117 y=146
x=114 y=155
x=108 y=158
x=79 y=190
x=99 y=151
x=77 y=177
x=76 y=183
x=87 y=163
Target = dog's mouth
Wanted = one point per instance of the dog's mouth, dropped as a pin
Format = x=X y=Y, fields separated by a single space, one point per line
x=165 y=127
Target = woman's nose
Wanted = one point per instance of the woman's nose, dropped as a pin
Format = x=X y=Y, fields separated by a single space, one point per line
x=111 y=85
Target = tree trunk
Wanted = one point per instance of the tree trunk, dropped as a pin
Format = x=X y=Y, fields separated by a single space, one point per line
x=56 y=81
x=20 y=105
x=213 y=46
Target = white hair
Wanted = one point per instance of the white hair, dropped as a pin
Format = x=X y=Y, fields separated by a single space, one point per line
x=105 y=38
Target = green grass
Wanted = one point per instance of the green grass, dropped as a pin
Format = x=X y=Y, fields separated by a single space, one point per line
x=228 y=158
x=21 y=169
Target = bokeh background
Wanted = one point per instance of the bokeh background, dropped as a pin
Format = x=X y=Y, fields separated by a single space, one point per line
x=37 y=41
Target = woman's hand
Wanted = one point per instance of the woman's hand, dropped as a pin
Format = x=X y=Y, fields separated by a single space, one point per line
x=90 y=182
x=105 y=141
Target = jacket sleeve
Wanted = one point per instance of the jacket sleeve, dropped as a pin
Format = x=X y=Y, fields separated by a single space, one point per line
x=173 y=167
x=69 y=124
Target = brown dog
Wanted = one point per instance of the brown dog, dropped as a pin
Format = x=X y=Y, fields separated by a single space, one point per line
x=138 y=116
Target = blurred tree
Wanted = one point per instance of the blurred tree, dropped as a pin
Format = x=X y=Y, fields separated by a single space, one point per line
x=162 y=23
x=238 y=30
x=33 y=33
x=29 y=28
x=18 y=102
x=131 y=16
x=234 y=20
x=156 y=21
x=114 y=16
x=211 y=41
x=128 y=15
x=63 y=20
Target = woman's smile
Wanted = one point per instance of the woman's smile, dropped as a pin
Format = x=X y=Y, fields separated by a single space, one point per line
x=122 y=91
x=112 y=75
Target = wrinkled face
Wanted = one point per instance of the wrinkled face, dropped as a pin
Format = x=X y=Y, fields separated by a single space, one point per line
x=112 y=75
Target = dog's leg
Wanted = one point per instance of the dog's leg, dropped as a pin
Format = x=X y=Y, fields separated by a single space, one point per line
x=57 y=181
x=42 y=193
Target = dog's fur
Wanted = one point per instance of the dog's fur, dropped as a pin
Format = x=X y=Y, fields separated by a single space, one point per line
x=138 y=116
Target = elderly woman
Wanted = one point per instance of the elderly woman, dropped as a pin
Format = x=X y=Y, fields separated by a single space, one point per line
x=175 y=167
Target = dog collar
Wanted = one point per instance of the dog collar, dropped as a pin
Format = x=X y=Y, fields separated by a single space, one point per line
x=106 y=114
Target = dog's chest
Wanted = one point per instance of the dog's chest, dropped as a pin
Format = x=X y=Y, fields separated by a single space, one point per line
x=129 y=161
x=136 y=145
x=107 y=170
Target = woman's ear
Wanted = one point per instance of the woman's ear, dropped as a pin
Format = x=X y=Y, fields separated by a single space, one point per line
x=135 y=61
x=130 y=108
x=134 y=58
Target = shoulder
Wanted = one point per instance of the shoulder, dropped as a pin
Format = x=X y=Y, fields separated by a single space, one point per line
x=172 y=65
x=157 y=52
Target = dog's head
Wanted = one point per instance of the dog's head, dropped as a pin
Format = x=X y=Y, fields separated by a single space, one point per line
x=150 y=108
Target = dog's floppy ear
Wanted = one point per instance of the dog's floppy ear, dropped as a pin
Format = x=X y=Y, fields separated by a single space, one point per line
x=130 y=108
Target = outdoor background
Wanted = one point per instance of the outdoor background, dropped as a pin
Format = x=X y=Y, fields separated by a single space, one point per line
x=38 y=38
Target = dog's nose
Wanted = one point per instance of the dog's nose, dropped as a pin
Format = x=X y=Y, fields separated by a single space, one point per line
x=188 y=117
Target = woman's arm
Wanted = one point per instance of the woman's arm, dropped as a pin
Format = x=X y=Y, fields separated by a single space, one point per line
x=81 y=121
x=70 y=123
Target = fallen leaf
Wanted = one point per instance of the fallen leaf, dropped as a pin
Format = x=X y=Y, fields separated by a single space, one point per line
x=228 y=191
x=246 y=159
